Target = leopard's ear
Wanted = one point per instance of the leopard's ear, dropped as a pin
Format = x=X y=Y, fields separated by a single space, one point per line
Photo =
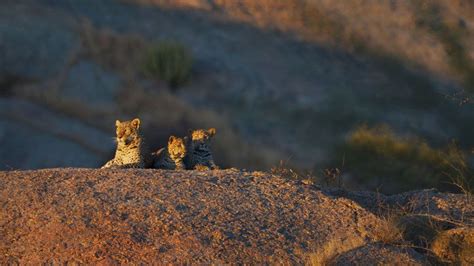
x=136 y=123
x=117 y=123
x=211 y=131
x=171 y=139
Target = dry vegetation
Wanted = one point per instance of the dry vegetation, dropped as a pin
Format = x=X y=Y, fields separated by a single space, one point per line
x=169 y=61
x=444 y=238
x=131 y=55
x=326 y=254
x=380 y=158
x=406 y=223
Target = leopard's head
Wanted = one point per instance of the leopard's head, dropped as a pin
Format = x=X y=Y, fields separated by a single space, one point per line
x=176 y=147
x=201 y=138
x=127 y=131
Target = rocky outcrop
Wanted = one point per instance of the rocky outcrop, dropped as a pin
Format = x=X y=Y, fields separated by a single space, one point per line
x=455 y=246
x=379 y=254
x=144 y=216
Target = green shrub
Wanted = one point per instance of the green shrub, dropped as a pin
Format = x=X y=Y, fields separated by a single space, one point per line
x=169 y=61
x=379 y=159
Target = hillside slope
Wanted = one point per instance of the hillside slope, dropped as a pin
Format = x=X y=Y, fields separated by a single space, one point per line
x=143 y=216
x=272 y=95
x=407 y=29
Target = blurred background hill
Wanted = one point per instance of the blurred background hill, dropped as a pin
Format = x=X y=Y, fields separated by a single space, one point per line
x=377 y=89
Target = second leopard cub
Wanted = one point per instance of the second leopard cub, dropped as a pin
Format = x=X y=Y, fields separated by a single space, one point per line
x=172 y=156
x=199 y=155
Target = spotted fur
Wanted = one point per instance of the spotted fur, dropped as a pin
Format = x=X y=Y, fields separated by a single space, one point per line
x=172 y=156
x=199 y=155
x=130 y=148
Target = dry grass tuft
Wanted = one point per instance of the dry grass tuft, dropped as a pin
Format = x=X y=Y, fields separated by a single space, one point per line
x=284 y=169
x=389 y=231
x=326 y=254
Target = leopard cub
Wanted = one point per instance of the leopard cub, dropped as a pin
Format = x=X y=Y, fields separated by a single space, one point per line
x=199 y=156
x=172 y=156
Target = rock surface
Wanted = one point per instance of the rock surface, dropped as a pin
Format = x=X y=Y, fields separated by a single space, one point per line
x=222 y=216
x=377 y=254
x=455 y=245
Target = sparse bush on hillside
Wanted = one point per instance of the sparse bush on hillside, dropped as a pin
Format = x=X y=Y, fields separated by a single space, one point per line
x=378 y=158
x=169 y=61
x=129 y=55
x=381 y=27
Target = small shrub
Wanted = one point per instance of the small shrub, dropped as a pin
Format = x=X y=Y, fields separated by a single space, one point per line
x=325 y=254
x=388 y=231
x=169 y=61
x=378 y=157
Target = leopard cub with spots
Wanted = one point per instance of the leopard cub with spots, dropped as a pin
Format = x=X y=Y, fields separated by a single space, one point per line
x=199 y=155
x=172 y=156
